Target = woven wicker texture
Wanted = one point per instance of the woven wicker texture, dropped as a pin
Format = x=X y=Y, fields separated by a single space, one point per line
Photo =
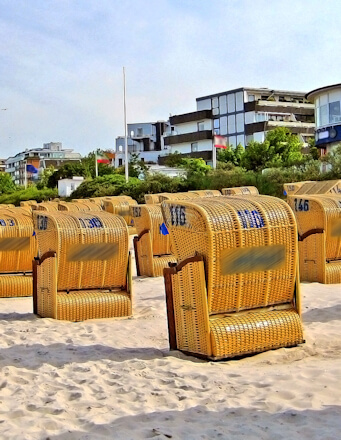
x=223 y=308
x=91 y=258
x=323 y=187
x=207 y=192
x=320 y=252
x=18 y=247
x=240 y=190
x=255 y=332
x=153 y=248
x=46 y=206
x=28 y=203
x=178 y=196
x=292 y=188
x=15 y=285
x=88 y=205
x=151 y=198
x=210 y=227
x=120 y=206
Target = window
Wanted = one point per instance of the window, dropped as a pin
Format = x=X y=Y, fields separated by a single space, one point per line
x=231 y=124
x=139 y=131
x=216 y=123
x=194 y=147
x=231 y=104
x=334 y=112
x=201 y=126
x=239 y=101
x=120 y=162
x=240 y=122
x=215 y=102
x=223 y=125
x=324 y=118
x=251 y=98
x=222 y=104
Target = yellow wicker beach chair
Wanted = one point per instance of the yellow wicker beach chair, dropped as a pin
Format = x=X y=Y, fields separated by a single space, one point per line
x=323 y=187
x=18 y=247
x=178 y=196
x=207 y=192
x=152 y=246
x=291 y=188
x=236 y=288
x=151 y=199
x=28 y=204
x=121 y=206
x=240 y=191
x=319 y=227
x=84 y=268
x=87 y=205
x=46 y=206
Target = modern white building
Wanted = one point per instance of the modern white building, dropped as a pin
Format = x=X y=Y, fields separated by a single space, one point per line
x=67 y=186
x=144 y=139
x=327 y=101
x=52 y=153
x=242 y=115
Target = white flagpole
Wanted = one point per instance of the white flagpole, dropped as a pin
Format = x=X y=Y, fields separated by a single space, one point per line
x=25 y=174
x=126 y=165
x=214 y=155
x=96 y=164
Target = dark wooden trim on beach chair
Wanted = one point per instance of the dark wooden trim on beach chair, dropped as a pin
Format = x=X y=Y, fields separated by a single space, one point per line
x=135 y=240
x=308 y=233
x=173 y=269
x=35 y=263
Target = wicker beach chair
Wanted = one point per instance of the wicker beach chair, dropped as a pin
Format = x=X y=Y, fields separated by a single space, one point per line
x=240 y=191
x=291 y=188
x=84 y=268
x=18 y=247
x=87 y=205
x=323 y=187
x=319 y=227
x=121 y=206
x=178 y=196
x=152 y=199
x=27 y=204
x=236 y=288
x=207 y=192
x=46 y=206
x=152 y=246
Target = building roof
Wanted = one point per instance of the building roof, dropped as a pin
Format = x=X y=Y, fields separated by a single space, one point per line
x=257 y=90
x=321 y=89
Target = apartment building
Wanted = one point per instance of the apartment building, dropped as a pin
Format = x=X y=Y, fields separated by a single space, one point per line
x=327 y=101
x=51 y=153
x=2 y=165
x=242 y=115
x=144 y=139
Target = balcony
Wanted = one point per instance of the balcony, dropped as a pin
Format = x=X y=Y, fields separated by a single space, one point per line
x=191 y=117
x=188 y=137
x=294 y=126
x=279 y=107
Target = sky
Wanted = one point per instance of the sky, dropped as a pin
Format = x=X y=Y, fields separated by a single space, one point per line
x=61 y=61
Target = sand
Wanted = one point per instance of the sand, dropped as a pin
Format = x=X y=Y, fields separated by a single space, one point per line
x=116 y=379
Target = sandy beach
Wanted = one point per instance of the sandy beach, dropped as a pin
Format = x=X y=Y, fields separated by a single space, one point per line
x=116 y=379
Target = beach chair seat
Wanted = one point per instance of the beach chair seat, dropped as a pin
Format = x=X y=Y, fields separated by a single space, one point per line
x=319 y=227
x=235 y=290
x=240 y=191
x=291 y=188
x=18 y=247
x=84 y=267
x=151 y=199
x=152 y=244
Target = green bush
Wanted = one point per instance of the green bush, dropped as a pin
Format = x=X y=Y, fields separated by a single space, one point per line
x=31 y=193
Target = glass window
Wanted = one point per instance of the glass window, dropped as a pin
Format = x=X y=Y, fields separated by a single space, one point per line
x=231 y=124
x=215 y=102
x=239 y=101
x=216 y=123
x=194 y=147
x=120 y=161
x=334 y=112
x=223 y=125
x=241 y=140
x=223 y=104
x=240 y=122
x=324 y=118
x=204 y=104
x=201 y=126
x=251 y=98
x=215 y=111
x=232 y=141
x=231 y=105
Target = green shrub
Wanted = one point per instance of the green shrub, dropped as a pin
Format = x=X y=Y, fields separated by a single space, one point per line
x=31 y=193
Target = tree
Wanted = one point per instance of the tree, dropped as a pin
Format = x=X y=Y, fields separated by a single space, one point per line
x=7 y=185
x=334 y=160
x=232 y=155
x=281 y=148
x=44 y=177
